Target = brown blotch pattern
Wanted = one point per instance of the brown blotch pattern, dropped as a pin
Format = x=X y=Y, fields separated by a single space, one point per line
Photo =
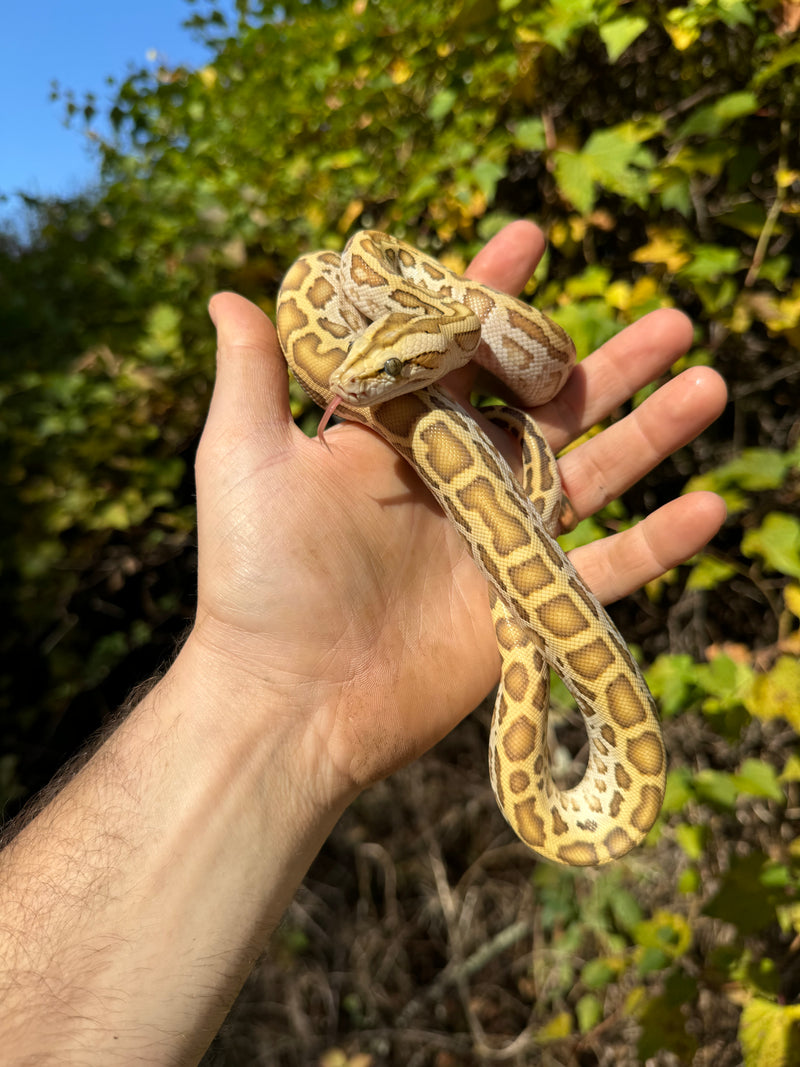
x=508 y=635
x=529 y=825
x=446 y=454
x=413 y=302
x=519 y=781
x=297 y=274
x=581 y=854
x=339 y=330
x=508 y=533
x=363 y=274
x=618 y=843
x=626 y=706
x=561 y=617
x=290 y=317
x=516 y=681
x=559 y=826
x=624 y=780
x=646 y=753
x=530 y=576
x=400 y=415
x=608 y=734
x=646 y=811
x=592 y=660
x=616 y=804
x=320 y=292
x=432 y=271
x=520 y=738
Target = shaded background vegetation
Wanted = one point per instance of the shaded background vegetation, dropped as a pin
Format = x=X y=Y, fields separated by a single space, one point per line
x=658 y=147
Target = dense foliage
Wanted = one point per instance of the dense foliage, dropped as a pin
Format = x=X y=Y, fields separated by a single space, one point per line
x=658 y=147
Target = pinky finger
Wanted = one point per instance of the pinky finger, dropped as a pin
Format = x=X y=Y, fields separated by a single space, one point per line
x=619 y=565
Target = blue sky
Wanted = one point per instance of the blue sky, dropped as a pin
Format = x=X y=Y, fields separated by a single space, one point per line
x=77 y=43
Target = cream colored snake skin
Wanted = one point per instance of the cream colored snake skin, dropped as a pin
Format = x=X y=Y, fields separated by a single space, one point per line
x=359 y=329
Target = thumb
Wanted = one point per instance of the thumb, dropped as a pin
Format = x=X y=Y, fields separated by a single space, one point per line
x=251 y=388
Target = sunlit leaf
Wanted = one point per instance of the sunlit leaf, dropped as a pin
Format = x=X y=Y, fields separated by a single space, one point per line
x=777 y=542
x=770 y=1034
x=620 y=33
x=714 y=118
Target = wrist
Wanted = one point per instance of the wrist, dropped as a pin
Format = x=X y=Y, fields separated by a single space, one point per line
x=254 y=717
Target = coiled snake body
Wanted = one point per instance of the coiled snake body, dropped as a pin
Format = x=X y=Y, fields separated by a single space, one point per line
x=370 y=331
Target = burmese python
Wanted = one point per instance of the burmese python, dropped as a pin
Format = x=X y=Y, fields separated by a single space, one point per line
x=362 y=329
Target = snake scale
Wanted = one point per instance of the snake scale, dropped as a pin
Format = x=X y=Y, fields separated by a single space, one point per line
x=369 y=332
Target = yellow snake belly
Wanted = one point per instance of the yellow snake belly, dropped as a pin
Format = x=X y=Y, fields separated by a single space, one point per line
x=544 y=615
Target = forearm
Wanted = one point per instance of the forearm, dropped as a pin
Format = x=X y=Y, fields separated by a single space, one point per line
x=134 y=905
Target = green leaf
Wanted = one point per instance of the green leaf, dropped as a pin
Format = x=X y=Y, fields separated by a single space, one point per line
x=574 y=179
x=717 y=788
x=441 y=104
x=666 y=932
x=529 y=135
x=777 y=541
x=692 y=839
x=787 y=57
x=620 y=33
x=758 y=779
x=589 y=1012
x=672 y=681
x=598 y=973
x=748 y=895
x=689 y=881
x=709 y=572
x=710 y=121
x=487 y=174
x=710 y=262
x=679 y=790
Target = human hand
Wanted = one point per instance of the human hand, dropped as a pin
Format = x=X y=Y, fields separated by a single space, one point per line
x=330 y=577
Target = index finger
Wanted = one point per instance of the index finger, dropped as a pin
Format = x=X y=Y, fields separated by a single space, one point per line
x=608 y=377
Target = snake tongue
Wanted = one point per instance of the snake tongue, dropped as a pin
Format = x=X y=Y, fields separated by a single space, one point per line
x=326 y=418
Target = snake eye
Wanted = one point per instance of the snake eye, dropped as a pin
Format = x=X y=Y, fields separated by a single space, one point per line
x=393 y=367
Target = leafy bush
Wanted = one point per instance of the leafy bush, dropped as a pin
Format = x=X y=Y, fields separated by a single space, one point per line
x=657 y=145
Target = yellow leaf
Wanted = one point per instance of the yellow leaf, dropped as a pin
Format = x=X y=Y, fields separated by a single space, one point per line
x=791 y=598
x=682 y=36
x=789 y=917
x=453 y=262
x=560 y=1026
x=791 y=773
x=769 y=1034
x=208 y=76
x=528 y=35
x=400 y=71
x=665 y=246
x=777 y=693
x=558 y=233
